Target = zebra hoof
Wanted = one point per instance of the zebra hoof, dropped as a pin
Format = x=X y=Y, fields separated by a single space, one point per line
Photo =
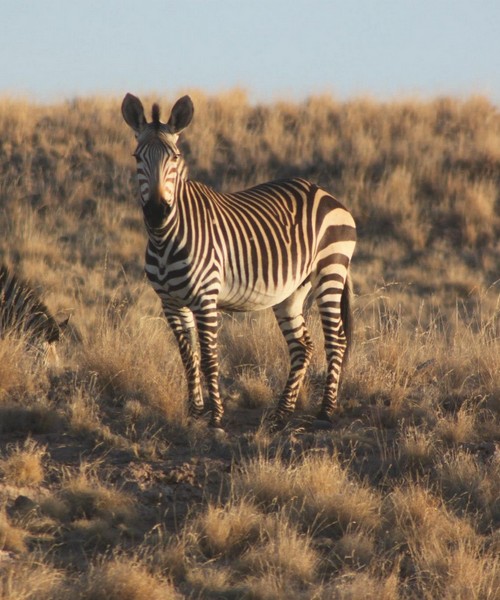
x=218 y=433
x=323 y=421
x=215 y=424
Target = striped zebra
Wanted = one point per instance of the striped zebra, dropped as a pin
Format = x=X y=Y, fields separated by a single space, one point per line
x=266 y=246
x=22 y=311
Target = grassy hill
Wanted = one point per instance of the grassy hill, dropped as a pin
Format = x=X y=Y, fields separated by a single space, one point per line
x=106 y=491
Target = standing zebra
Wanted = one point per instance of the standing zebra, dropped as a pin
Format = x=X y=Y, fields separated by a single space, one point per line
x=21 y=310
x=267 y=246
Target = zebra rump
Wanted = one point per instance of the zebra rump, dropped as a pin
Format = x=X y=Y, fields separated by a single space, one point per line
x=22 y=311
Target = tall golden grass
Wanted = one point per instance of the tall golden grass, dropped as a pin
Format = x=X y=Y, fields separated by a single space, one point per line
x=107 y=491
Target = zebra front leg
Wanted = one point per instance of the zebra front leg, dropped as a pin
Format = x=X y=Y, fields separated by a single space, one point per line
x=207 y=320
x=183 y=327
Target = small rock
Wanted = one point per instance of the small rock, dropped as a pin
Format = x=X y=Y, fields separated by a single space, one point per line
x=23 y=505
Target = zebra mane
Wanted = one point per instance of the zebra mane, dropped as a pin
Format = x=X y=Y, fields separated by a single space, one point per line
x=156 y=116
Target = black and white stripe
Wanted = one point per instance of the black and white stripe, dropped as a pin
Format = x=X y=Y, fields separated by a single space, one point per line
x=267 y=246
x=22 y=311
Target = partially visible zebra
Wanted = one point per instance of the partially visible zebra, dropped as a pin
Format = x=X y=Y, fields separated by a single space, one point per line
x=267 y=246
x=22 y=311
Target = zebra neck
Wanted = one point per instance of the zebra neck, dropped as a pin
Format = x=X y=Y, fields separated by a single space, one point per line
x=182 y=169
x=169 y=227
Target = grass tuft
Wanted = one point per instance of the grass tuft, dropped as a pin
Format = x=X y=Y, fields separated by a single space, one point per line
x=23 y=465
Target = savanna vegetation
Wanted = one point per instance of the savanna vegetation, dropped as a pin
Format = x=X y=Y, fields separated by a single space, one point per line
x=106 y=490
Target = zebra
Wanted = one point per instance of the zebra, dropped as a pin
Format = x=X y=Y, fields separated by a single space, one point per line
x=22 y=311
x=267 y=246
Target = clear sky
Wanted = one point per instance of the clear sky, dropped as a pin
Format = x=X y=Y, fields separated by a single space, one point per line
x=53 y=49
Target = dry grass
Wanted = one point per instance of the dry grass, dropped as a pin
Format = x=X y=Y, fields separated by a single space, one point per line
x=125 y=579
x=106 y=491
x=86 y=497
x=23 y=464
x=131 y=357
x=287 y=554
x=12 y=538
x=19 y=370
x=30 y=580
x=316 y=487
x=230 y=529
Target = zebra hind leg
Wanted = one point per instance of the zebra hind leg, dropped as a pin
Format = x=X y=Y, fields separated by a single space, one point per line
x=300 y=348
x=335 y=347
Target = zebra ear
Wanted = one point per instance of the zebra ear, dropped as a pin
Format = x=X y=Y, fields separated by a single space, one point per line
x=133 y=113
x=181 y=114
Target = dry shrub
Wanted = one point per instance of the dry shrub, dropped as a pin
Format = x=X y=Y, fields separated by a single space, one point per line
x=420 y=521
x=469 y=368
x=460 y=428
x=19 y=368
x=255 y=390
x=83 y=412
x=443 y=552
x=472 y=573
x=282 y=551
x=125 y=579
x=134 y=358
x=462 y=571
x=210 y=581
x=23 y=465
x=12 y=539
x=88 y=498
x=318 y=488
x=93 y=514
x=353 y=585
x=87 y=415
x=95 y=534
x=355 y=550
x=254 y=341
x=384 y=365
x=255 y=541
x=395 y=209
x=31 y=580
x=471 y=486
x=173 y=557
x=228 y=530
x=416 y=450
x=268 y=586
x=472 y=207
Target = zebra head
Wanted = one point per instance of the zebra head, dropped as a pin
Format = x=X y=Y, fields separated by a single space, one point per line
x=159 y=163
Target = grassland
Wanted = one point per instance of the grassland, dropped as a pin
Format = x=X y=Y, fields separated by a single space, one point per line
x=107 y=492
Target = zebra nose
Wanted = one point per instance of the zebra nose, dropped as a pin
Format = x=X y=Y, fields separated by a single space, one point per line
x=155 y=213
x=156 y=195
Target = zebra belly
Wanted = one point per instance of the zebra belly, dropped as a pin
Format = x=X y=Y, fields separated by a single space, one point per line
x=258 y=297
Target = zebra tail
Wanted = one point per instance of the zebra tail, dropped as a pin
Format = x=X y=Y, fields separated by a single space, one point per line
x=346 y=315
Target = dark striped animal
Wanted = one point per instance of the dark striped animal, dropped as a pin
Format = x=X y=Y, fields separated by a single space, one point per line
x=267 y=246
x=22 y=311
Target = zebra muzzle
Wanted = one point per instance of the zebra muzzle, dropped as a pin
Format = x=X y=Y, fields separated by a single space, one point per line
x=155 y=213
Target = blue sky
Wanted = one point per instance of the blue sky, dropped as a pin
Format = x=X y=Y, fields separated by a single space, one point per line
x=53 y=49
